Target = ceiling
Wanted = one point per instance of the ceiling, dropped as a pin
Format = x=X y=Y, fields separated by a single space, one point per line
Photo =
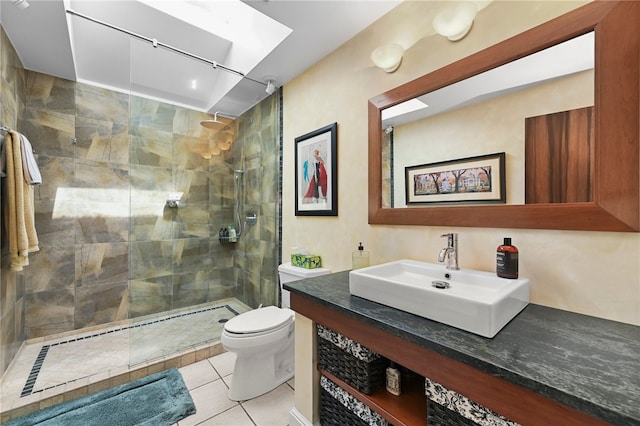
x=177 y=51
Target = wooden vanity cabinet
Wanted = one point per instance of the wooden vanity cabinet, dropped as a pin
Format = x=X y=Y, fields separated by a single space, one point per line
x=505 y=398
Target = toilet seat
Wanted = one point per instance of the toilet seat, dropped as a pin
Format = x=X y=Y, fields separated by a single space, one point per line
x=259 y=321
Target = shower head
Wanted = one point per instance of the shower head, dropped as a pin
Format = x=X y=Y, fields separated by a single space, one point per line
x=232 y=168
x=215 y=124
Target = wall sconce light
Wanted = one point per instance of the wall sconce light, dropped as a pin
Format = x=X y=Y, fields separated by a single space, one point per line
x=224 y=140
x=388 y=57
x=455 y=22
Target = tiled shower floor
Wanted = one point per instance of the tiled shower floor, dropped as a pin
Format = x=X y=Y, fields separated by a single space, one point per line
x=62 y=367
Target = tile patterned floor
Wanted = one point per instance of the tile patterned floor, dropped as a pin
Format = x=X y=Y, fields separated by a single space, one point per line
x=52 y=370
x=208 y=382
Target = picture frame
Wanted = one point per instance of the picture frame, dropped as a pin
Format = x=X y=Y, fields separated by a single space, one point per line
x=316 y=172
x=471 y=180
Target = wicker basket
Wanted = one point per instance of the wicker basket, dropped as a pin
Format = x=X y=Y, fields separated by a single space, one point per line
x=339 y=408
x=437 y=415
x=448 y=408
x=350 y=361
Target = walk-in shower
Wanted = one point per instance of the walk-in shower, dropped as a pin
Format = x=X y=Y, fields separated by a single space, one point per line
x=119 y=268
x=181 y=284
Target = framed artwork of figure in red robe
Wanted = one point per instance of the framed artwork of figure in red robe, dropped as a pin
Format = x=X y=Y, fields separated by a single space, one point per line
x=316 y=181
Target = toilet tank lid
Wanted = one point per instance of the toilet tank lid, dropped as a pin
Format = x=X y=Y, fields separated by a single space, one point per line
x=288 y=268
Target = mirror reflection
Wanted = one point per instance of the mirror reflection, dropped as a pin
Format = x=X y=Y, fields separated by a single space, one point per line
x=515 y=109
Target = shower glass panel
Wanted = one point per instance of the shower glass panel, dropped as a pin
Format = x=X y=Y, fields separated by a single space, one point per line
x=188 y=182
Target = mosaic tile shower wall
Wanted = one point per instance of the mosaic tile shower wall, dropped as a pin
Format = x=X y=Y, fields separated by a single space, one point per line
x=110 y=248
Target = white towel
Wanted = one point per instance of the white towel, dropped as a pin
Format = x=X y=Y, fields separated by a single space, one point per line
x=29 y=165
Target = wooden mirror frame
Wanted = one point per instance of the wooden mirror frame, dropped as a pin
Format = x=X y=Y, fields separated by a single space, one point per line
x=616 y=180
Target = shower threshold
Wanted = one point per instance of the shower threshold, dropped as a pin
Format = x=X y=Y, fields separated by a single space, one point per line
x=50 y=370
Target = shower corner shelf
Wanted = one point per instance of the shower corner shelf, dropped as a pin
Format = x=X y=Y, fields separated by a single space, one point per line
x=227 y=240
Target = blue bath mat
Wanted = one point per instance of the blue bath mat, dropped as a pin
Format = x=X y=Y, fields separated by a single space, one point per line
x=159 y=399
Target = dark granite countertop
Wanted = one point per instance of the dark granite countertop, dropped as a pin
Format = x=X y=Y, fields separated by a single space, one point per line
x=587 y=363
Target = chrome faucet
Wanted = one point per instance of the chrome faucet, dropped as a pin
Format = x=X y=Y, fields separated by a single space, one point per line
x=450 y=251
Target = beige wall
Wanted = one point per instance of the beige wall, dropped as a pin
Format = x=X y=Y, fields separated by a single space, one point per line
x=595 y=273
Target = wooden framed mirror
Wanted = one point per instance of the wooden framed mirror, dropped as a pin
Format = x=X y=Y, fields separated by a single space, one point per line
x=614 y=201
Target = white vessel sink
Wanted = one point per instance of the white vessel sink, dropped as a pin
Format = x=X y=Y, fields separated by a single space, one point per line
x=475 y=301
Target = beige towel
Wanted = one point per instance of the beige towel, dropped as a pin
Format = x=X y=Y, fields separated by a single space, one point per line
x=19 y=209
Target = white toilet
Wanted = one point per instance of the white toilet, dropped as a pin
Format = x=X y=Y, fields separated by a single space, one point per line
x=262 y=340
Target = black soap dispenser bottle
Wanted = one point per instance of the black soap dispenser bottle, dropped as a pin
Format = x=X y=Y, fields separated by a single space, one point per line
x=507 y=260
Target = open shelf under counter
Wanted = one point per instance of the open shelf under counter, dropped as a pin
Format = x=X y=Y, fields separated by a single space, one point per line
x=409 y=408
